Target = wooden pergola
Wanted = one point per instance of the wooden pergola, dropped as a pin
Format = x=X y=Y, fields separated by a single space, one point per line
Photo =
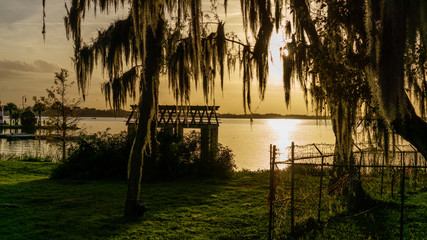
x=174 y=119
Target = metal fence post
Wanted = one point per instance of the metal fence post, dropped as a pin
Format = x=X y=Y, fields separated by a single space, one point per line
x=320 y=190
x=361 y=158
x=271 y=195
x=321 y=183
x=415 y=170
x=292 y=187
x=402 y=195
x=392 y=184
x=382 y=173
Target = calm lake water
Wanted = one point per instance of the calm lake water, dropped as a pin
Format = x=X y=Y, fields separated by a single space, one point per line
x=250 y=142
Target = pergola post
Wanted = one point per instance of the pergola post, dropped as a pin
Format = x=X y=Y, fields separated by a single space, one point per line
x=179 y=131
x=168 y=130
x=213 y=145
x=205 y=148
x=131 y=128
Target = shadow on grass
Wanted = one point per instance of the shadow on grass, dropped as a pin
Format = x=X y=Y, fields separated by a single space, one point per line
x=61 y=209
x=77 y=209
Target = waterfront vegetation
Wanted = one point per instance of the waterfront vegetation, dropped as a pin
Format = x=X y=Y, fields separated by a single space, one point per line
x=105 y=156
x=34 y=206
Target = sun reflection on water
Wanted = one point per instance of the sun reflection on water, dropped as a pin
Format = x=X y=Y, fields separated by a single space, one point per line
x=283 y=129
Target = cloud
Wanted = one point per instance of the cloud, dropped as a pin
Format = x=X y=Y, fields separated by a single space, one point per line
x=40 y=66
x=15 y=11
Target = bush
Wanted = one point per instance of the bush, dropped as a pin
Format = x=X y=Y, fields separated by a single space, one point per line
x=224 y=165
x=182 y=158
x=28 y=121
x=103 y=156
x=177 y=157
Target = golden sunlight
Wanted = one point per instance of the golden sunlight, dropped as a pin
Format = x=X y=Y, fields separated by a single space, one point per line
x=283 y=130
x=277 y=44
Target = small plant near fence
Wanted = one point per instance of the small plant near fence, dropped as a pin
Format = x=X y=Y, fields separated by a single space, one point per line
x=303 y=199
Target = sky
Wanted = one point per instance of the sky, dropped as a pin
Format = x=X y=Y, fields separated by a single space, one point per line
x=28 y=63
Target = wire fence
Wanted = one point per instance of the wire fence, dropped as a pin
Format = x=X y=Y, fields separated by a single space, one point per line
x=305 y=192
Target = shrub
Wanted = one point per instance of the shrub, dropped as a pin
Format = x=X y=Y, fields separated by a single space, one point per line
x=105 y=156
x=102 y=156
x=224 y=165
x=28 y=121
x=182 y=158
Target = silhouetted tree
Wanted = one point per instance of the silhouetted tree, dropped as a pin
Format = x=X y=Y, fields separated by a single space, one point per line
x=10 y=107
x=134 y=50
x=62 y=119
x=324 y=55
x=39 y=107
x=28 y=121
x=343 y=61
x=15 y=116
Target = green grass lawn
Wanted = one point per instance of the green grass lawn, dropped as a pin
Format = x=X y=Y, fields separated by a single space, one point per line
x=35 y=207
x=32 y=206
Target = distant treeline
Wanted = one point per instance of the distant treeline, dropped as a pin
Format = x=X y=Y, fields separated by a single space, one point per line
x=270 y=115
x=92 y=112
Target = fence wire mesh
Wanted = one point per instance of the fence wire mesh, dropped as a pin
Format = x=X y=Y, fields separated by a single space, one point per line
x=307 y=193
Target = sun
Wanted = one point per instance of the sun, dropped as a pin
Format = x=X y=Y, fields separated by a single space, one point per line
x=277 y=44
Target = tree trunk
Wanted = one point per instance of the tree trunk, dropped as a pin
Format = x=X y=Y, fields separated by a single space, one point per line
x=412 y=128
x=149 y=170
x=63 y=146
x=133 y=207
x=394 y=103
x=342 y=119
x=149 y=167
x=343 y=115
x=64 y=134
x=146 y=112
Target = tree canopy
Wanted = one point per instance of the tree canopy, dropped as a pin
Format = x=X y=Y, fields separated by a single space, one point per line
x=355 y=59
x=361 y=59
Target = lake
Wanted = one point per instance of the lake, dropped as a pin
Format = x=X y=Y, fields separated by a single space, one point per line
x=250 y=143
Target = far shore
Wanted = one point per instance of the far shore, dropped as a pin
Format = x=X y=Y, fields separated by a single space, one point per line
x=94 y=113
x=271 y=116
